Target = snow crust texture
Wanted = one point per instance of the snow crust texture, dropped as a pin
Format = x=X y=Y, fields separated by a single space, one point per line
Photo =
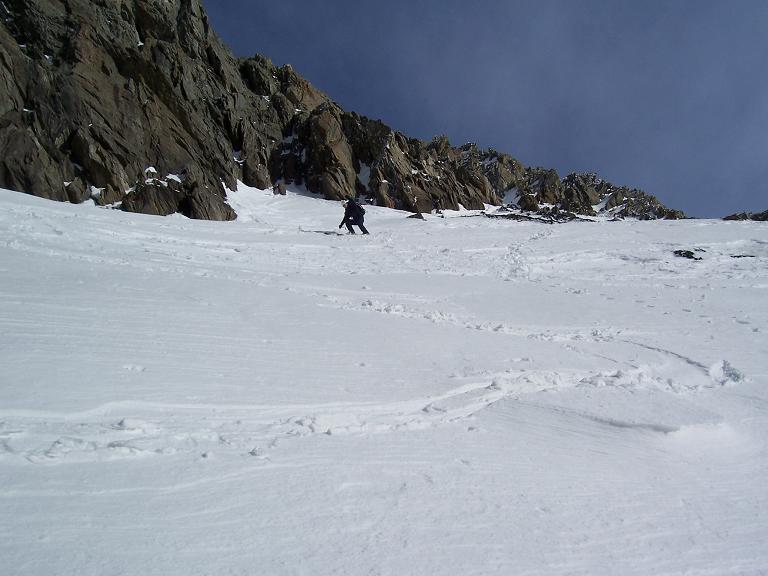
x=460 y=395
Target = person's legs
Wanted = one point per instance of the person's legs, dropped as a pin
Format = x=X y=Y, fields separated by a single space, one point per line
x=362 y=228
x=349 y=227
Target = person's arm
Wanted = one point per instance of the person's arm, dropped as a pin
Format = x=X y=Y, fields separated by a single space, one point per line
x=347 y=213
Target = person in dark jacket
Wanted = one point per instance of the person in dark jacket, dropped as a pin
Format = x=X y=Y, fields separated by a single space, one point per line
x=354 y=214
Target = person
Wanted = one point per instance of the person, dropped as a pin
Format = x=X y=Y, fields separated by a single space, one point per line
x=354 y=214
x=437 y=205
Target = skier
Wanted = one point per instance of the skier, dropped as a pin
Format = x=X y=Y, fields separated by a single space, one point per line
x=437 y=205
x=353 y=214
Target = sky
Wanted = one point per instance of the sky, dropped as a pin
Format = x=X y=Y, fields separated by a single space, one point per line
x=667 y=96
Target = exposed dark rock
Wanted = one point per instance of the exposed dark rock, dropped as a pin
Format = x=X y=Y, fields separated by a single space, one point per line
x=77 y=191
x=26 y=165
x=757 y=216
x=519 y=217
x=102 y=90
x=545 y=185
x=626 y=203
x=383 y=197
x=587 y=195
x=153 y=197
x=201 y=205
x=686 y=254
x=165 y=197
x=528 y=203
x=504 y=173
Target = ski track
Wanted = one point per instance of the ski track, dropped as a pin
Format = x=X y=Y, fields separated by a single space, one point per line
x=133 y=429
x=450 y=396
x=101 y=435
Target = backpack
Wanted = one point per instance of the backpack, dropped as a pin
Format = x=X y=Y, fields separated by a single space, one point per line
x=356 y=208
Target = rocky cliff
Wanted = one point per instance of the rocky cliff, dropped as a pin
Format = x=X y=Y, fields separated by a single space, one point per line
x=138 y=104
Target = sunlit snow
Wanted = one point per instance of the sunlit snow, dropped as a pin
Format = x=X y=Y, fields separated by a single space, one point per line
x=455 y=396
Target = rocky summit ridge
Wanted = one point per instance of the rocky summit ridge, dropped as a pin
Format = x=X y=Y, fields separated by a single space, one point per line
x=138 y=104
x=756 y=216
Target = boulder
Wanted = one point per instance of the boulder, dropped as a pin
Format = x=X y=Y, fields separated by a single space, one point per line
x=689 y=254
x=200 y=205
x=153 y=197
x=528 y=202
x=165 y=197
x=77 y=191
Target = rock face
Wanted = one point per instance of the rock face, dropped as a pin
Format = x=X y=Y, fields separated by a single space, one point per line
x=757 y=216
x=541 y=190
x=137 y=103
x=94 y=93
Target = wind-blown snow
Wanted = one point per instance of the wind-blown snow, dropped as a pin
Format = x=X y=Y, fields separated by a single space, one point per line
x=455 y=396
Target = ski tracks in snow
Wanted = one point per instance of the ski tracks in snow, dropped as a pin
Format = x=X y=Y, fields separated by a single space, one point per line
x=156 y=429
x=580 y=340
x=135 y=429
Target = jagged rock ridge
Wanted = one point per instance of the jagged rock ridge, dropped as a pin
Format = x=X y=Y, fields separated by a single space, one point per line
x=138 y=103
x=756 y=216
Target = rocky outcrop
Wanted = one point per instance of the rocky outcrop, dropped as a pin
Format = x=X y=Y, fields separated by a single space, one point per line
x=689 y=254
x=542 y=191
x=756 y=216
x=338 y=154
x=138 y=104
x=93 y=93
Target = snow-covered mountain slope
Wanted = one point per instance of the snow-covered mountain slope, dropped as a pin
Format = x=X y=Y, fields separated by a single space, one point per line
x=450 y=396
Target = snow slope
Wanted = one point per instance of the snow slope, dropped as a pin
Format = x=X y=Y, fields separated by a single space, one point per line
x=457 y=396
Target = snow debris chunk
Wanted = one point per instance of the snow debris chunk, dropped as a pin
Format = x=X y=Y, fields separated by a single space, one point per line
x=724 y=373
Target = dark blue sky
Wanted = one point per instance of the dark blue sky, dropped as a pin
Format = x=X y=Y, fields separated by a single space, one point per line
x=668 y=96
